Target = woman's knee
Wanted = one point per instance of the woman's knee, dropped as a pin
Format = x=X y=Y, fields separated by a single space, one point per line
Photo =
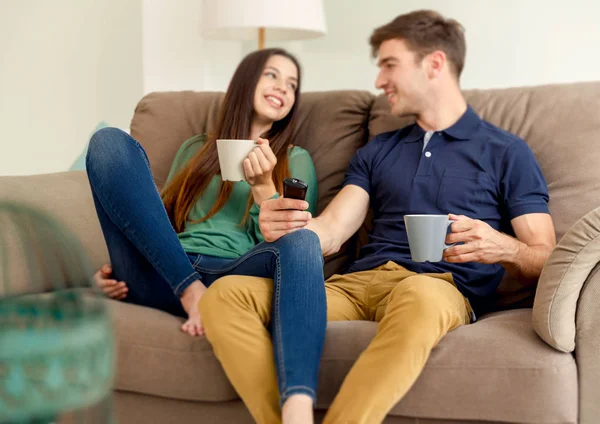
x=108 y=145
x=305 y=241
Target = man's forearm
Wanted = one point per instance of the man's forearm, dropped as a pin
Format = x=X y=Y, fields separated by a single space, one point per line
x=327 y=235
x=526 y=262
x=341 y=219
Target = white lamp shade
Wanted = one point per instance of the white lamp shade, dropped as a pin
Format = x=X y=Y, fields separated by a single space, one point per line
x=282 y=19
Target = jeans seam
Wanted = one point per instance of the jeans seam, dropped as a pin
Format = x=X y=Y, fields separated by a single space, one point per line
x=281 y=362
x=239 y=260
x=197 y=261
x=144 y=155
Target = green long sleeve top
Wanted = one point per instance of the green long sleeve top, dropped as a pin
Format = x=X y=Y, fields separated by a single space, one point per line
x=223 y=235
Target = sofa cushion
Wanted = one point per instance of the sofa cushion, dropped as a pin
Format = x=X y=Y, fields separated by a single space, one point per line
x=562 y=280
x=332 y=125
x=477 y=372
x=474 y=373
x=162 y=121
x=156 y=358
x=561 y=124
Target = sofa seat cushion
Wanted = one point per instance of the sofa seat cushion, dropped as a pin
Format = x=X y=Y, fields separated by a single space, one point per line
x=155 y=357
x=477 y=372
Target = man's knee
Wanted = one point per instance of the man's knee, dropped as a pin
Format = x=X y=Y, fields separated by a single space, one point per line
x=432 y=303
x=232 y=291
x=218 y=293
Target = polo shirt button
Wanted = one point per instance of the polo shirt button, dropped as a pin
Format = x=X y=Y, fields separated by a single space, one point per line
x=427 y=154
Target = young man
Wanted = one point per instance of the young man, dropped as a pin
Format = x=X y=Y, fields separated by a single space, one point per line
x=449 y=162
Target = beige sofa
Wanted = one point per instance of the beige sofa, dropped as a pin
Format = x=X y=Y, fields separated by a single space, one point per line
x=498 y=370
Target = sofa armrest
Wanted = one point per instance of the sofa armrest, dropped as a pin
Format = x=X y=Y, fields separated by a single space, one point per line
x=587 y=353
x=66 y=197
x=556 y=309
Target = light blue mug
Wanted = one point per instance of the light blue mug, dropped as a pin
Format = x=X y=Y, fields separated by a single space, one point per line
x=427 y=236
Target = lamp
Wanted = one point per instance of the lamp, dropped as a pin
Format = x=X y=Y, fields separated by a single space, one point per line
x=275 y=19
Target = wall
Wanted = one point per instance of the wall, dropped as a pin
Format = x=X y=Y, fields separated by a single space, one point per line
x=509 y=42
x=175 y=56
x=65 y=66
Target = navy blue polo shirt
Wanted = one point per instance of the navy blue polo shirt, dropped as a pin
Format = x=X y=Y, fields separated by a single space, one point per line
x=472 y=168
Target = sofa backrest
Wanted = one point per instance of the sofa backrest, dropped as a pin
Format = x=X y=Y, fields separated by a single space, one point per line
x=561 y=124
x=332 y=125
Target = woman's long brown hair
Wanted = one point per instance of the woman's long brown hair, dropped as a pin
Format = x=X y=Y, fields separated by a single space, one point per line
x=235 y=119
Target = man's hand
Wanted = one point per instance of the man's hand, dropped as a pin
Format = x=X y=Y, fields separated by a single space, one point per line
x=282 y=216
x=482 y=243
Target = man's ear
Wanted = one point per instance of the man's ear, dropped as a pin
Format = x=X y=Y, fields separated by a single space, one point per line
x=436 y=63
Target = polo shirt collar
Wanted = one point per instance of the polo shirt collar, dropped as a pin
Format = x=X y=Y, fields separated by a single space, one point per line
x=415 y=134
x=463 y=129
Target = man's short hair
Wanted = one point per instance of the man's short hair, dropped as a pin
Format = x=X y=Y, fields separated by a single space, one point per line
x=425 y=31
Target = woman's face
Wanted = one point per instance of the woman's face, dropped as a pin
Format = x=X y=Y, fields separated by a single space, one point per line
x=275 y=92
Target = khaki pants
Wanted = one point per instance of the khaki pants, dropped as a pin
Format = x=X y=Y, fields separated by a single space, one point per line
x=414 y=312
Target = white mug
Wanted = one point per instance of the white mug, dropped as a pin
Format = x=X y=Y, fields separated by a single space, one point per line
x=231 y=155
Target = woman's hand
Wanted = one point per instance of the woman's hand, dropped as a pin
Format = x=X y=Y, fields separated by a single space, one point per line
x=259 y=164
x=112 y=288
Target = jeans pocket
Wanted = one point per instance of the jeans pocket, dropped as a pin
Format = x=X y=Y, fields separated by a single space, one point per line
x=214 y=265
x=195 y=260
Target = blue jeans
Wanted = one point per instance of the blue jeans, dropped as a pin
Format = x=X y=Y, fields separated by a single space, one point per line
x=145 y=252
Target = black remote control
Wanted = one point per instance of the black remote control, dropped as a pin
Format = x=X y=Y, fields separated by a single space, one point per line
x=294 y=188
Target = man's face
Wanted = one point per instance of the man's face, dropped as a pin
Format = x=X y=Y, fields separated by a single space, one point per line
x=403 y=78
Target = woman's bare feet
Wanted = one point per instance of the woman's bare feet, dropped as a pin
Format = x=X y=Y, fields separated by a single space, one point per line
x=189 y=299
x=112 y=288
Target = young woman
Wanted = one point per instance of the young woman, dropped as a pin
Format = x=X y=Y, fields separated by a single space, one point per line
x=167 y=248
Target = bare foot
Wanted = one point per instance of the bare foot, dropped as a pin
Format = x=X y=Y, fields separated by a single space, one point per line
x=193 y=326
x=189 y=299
